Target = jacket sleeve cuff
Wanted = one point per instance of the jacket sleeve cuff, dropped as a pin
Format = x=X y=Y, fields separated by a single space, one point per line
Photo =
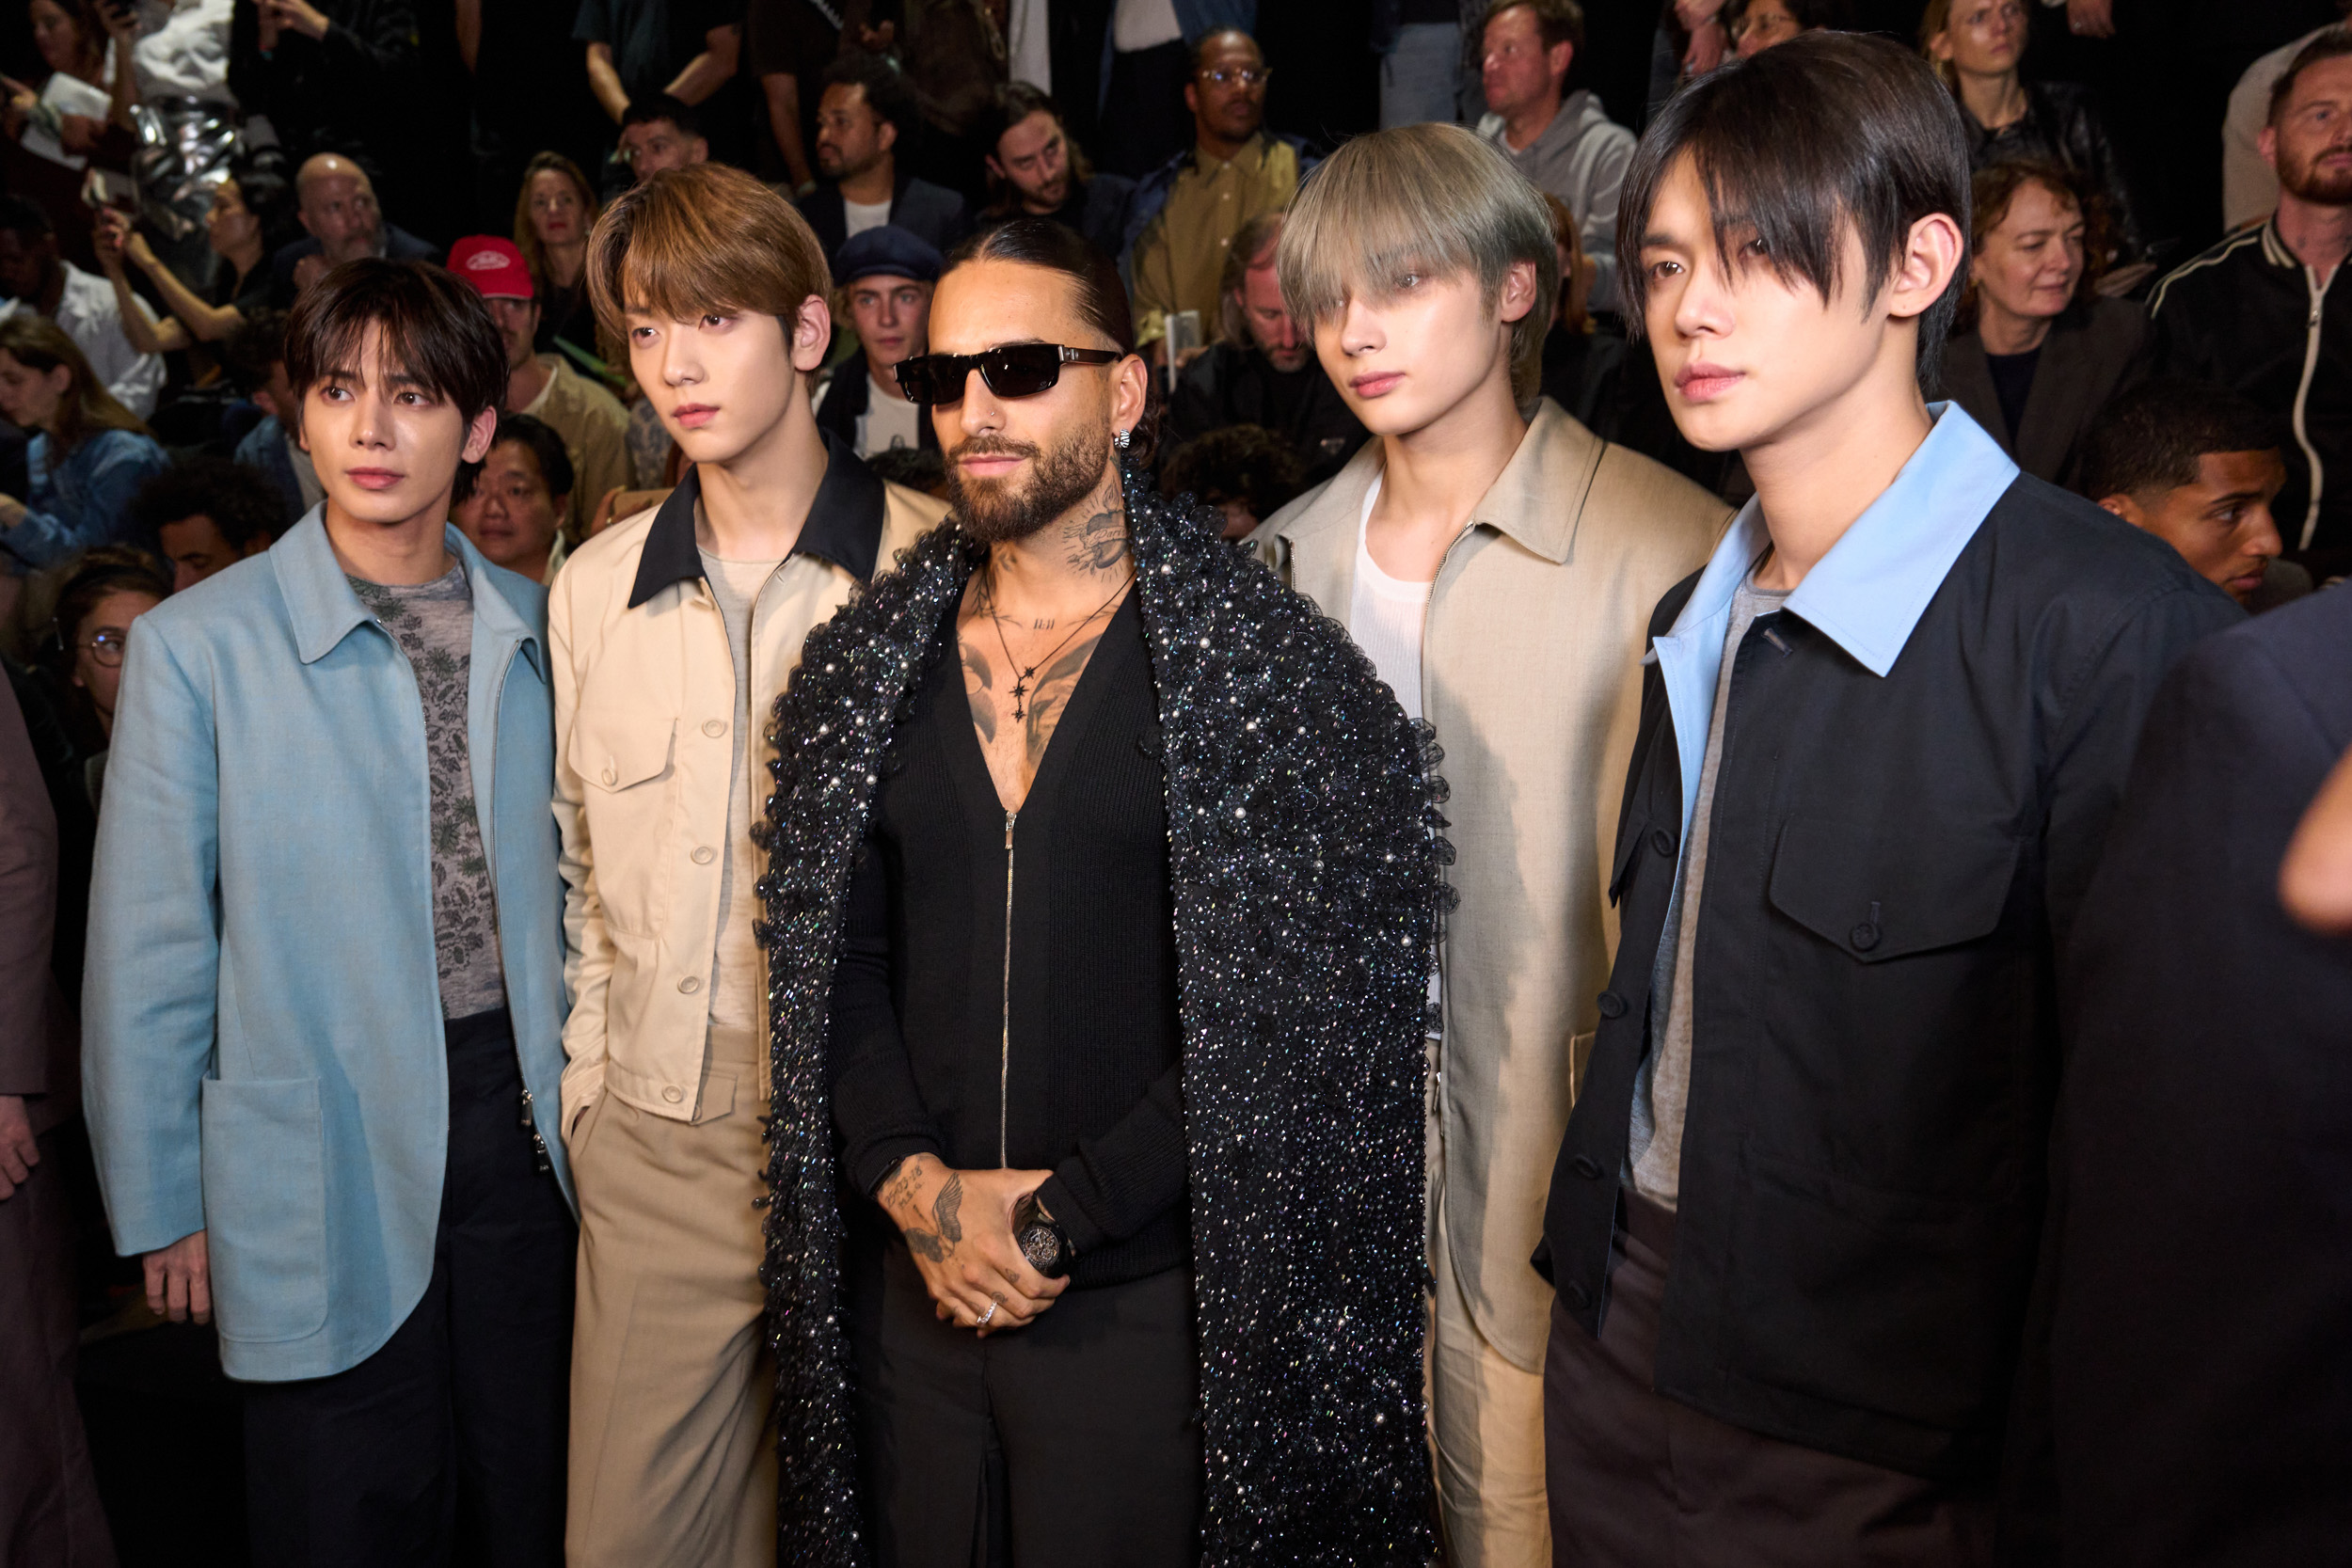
x=872 y=1165
x=1083 y=1228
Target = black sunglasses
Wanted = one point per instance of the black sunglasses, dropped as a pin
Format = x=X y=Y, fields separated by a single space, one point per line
x=1015 y=371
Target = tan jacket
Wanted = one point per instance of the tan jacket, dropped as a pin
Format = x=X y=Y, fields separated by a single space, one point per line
x=645 y=704
x=594 y=428
x=1531 y=674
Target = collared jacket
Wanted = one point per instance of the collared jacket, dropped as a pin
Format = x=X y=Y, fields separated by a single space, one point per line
x=932 y=211
x=1276 y=163
x=644 y=715
x=1922 y=752
x=2249 y=315
x=265 y=1057
x=1531 y=675
x=83 y=499
x=2093 y=351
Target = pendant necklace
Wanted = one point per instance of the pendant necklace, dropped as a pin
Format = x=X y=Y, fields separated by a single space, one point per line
x=1021 y=687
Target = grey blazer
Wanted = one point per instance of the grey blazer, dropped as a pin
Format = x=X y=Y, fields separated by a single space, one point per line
x=2093 y=352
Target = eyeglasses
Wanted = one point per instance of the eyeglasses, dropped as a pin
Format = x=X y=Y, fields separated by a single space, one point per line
x=107 y=647
x=1243 y=76
x=1015 y=371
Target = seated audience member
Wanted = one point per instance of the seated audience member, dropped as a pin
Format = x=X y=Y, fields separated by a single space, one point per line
x=2046 y=351
x=2248 y=314
x=208 y=513
x=1975 y=46
x=1262 y=368
x=337 y=76
x=2198 y=467
x=2248 y=188
x=553 y=213
x=1184 y=215
x=257 y=361
x=866 y=112
x=917 y=467
x=335 y=201
x=659 y=133
x=884 y=293
x=1584 y=361
x=1563 y=142
x=88 y=457
x=2198 y=1377
x=1755 y=25
x=88 y=86
x=1035 y=169
x=518 y=510
x=247 y=211
x=591 y=420
x=110 y=587
x=1244 y=470
x=39 y=282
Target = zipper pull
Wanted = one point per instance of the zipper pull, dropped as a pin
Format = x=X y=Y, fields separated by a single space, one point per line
x=526 y=1123
x=1009 y=817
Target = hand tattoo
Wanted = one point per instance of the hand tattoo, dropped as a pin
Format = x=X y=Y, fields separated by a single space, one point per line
x=925 y=1246
x=944 y=1207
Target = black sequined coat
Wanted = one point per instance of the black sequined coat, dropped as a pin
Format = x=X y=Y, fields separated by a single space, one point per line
x=1303 y=847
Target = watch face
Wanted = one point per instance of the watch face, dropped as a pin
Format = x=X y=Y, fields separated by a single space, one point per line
x=1042 y=1245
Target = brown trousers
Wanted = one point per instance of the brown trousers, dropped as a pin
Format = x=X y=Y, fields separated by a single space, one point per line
x=1637 y=1480
x=49 y=1511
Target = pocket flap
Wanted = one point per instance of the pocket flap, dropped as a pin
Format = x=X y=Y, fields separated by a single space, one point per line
x=616 y=751
x=1887 y=899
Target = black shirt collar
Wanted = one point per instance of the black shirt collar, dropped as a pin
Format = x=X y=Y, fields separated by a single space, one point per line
x=844 y=526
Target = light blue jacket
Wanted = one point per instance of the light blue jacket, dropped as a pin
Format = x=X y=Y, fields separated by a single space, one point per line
x=263 y=1056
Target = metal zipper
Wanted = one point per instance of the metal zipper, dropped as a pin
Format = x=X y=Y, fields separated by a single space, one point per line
x=2317 y=288
x=1004 y=1062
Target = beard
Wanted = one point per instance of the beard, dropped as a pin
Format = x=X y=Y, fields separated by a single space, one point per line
x=995 y=511
x=2306 y=182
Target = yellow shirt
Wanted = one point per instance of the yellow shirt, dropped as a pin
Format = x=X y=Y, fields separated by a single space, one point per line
x=1181 y=253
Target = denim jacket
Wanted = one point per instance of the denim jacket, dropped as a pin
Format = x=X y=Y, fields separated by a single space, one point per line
x=265 y=1057
x=83 y=499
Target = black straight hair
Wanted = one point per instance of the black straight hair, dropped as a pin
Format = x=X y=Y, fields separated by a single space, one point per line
x=2149 y=440
x=546 y=448
x=1827 y=131
x=655 y=107
x=887 y=92
x=436 y=329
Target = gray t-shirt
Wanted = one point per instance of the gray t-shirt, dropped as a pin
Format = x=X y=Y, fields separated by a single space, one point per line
x=433 y=622
x=1663 y=1092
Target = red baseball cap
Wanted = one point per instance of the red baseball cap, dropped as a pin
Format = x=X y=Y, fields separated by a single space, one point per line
x=494 y=267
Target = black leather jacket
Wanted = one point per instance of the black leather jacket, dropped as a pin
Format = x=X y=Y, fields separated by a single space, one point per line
x=2059 y=126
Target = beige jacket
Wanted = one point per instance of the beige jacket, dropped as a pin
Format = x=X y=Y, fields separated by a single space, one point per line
x=1531 y=674
x=645 y=704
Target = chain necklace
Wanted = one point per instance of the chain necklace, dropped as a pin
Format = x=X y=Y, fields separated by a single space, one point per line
x=1022 y=686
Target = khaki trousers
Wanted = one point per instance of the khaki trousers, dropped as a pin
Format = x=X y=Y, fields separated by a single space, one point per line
x=673 y=1457
x=1485 y=1417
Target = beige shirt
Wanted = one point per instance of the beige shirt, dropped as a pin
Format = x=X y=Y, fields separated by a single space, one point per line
x=594 y=428
x=1531 y=674
x=1181 y=253
x=647 y=713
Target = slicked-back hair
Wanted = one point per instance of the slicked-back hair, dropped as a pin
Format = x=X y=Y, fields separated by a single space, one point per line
x=435 y=328
x=1827 y=133
x=2149 y=440
x=1433 y=199
x=1093 y=277
x=2333 y=43
x=708 y=238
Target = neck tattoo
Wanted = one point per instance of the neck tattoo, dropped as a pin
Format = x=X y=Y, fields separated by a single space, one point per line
x=1025 y=674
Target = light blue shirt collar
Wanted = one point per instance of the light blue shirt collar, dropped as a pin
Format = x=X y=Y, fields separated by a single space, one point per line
x=1867 y=595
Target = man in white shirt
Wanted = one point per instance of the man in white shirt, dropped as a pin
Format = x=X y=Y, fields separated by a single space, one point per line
x=886 y=291
x=36 y=278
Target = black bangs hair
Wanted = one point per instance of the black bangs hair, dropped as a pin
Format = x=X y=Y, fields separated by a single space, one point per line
x=1827 y=130
x=436 y=328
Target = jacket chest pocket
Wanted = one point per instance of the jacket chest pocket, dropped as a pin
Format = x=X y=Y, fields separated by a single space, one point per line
x=625 y=763
x=1876 y=901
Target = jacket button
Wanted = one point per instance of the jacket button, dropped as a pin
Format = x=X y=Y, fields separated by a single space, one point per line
x=1864 y=937
x=1611 y=1004
x=1576 y=1296
x=704 y=854
x=673 y=1094
x=1585 y=1166
x=611 y=775
x=1663 y=841
x=690 y=985
x=714 y=727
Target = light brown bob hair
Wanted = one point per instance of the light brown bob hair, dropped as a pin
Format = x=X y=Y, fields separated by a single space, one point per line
x=706 y=238
x=1430 y=199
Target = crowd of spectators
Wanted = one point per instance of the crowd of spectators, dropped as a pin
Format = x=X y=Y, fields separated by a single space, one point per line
x=2162 y=198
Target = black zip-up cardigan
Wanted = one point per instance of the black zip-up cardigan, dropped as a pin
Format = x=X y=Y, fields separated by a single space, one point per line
x=1892 y=867
x=1089 y=1087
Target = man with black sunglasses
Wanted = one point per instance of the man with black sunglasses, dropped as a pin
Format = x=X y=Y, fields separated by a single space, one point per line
x=1048 y=791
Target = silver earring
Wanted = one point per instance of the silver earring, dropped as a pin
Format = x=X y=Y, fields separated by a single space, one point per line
x=1123 y=438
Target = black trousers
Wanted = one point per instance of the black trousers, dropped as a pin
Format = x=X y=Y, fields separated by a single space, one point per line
x=1073 y=1443
x=446 y=1445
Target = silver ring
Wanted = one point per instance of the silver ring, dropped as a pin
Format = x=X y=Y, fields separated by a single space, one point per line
x=981 y=1322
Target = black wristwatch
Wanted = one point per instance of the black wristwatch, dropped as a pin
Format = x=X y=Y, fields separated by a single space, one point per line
x=1043 y=1242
